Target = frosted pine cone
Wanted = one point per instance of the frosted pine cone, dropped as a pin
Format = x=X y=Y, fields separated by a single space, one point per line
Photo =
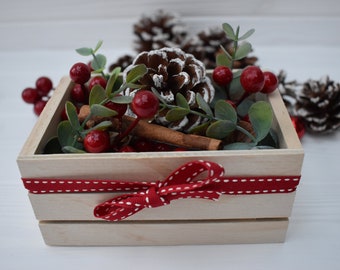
x=158 y=30
x=318 y=105
x=171 y=71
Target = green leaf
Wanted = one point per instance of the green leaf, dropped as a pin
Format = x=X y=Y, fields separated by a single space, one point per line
x=53 y=146
x=261 y=117
x=66 y=134
x=84 y=51
x=227 y=54
x=247 y=34
x=112 y=80
x=102 y=111
x=136 y=73
x=100 y=126
x=176 y=114
x=72 y=115
x=200 y=129
x=225 y=111
x=239 y=146
x=97 y=95
x=243 y=50
x=203 y=104
x=99 y=62
x=73 y=150
x=99 y=44
x=181 y=101
x=122 y=99
x=243 y=107
x=228 y=29
x=220 y=129
x=223 y=60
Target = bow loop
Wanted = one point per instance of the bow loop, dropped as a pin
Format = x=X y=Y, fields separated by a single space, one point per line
x=185 y=182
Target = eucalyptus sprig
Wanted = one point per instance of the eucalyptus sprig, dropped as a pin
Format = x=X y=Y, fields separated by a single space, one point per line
x=223 y=119
x=239 y=49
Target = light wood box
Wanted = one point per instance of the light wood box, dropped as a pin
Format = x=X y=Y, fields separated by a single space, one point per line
x=67 y=219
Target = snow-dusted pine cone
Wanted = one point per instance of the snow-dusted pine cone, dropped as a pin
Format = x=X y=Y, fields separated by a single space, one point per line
x=158 y=30
x=318 y=105
x=172 y=71
x=206 y=44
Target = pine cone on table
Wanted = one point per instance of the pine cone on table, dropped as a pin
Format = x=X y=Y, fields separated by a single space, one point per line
x=318 y=105
x=172 y=71
x=158 y=30
x=206 y=44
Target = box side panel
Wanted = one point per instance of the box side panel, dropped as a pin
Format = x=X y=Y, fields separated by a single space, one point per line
x=164 y=233
x=80 y=207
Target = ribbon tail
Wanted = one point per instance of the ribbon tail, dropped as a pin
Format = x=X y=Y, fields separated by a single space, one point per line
x=116 y=209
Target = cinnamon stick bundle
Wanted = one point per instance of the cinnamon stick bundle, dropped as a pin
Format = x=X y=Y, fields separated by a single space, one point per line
x=160 y=133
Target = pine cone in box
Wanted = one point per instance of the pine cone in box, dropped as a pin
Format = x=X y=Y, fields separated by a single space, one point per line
x=158 y=30
x=318 y=105
x=206 y=44
x=172 y=71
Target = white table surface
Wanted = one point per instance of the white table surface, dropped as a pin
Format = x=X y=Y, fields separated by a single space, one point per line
x=313 y=238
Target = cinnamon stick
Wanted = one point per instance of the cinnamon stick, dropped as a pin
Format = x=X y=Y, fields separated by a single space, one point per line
x=162 y=134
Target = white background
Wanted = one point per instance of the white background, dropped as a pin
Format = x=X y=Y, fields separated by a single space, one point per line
x=39 y=37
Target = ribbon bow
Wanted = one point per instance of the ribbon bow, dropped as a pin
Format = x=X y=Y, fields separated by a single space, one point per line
x=180 y=184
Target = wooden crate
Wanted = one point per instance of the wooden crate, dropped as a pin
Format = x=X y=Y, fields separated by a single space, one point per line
x=67 y=218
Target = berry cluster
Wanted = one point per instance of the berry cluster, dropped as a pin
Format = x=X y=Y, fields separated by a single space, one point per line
x=39 y=95
x=108 y=105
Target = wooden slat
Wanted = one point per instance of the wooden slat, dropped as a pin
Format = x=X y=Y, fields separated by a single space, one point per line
x=80 y=207
x=164 y=233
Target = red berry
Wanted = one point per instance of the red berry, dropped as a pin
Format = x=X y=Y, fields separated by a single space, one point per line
x=162 y=147
x=80 y=73
x=118 y=107
x=39 y=106
x=126 y=149
x=145 y=104
x=97 y=141
x=252 y=79
x=270 y=82
x=30 y=95
x=97 y=80
x=222 y=75
x=143 y=145
x=79 y=93
x=44 y=86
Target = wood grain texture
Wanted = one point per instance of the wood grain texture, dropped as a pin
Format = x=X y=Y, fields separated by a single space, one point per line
x=80 y=207
x=164 y=233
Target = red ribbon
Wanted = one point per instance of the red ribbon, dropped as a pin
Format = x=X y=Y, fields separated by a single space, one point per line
x=185 y=182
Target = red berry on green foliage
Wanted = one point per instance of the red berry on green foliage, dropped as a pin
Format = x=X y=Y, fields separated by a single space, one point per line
x=145 y=104
x=232 y=103
x=79 y=93
x=97 y=141
x=30 y=95
x=222 y=75
x=39 y=106
x=270 y=82
x=252 y=79
x=118 y=107
x=80 y=73
x=44 y=85
x=97 y=80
